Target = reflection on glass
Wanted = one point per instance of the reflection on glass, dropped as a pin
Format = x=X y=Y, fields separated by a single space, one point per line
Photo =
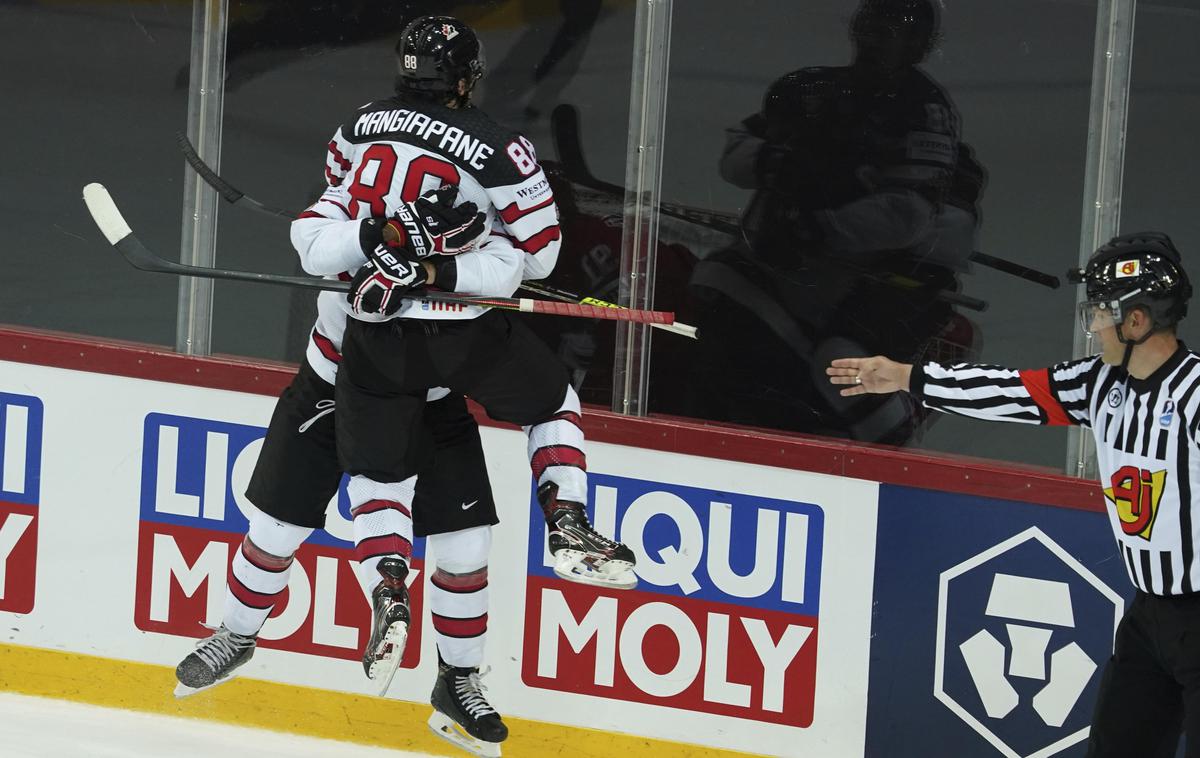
x=529 y=79
x=87 y=97
x=863 y=216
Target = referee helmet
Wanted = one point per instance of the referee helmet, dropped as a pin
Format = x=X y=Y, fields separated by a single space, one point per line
x=1139 y=270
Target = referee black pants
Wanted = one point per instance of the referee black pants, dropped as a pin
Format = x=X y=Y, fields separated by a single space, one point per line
x=386 y=367
x=1150 y=690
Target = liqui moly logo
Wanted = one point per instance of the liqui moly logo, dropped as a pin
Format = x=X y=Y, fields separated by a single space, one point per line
x=193 y=506
x=724 y=618
x=20 y=485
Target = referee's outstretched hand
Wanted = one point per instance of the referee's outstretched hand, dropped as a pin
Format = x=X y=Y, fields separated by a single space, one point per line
x=876 y=375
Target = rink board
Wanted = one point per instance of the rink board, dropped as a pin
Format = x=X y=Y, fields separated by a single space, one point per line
x=796 y=597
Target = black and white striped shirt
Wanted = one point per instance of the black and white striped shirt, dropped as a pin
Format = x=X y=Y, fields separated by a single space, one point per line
x=1147 y=443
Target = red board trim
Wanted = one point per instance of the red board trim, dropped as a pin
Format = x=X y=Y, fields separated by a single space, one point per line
x=937 y=471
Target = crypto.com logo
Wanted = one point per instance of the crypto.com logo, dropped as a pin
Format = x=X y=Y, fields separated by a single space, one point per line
x=1022 y=629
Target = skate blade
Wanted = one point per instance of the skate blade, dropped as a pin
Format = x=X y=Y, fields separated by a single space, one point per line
x=446 y=728
x=182 y=690
x=383 y=670
x=618 y=575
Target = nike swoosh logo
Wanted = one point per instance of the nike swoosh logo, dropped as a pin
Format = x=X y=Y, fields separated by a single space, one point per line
x=465 y=506
x=324 y=407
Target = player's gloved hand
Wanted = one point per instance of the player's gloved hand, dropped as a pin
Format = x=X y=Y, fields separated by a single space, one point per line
x=379 y=286
x=433 y=225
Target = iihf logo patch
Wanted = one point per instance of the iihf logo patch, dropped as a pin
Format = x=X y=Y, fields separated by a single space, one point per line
x=1168 y=413
x=1128 y=268
x=1114 y=397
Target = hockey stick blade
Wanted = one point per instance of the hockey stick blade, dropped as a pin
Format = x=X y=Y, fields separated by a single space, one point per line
x=114 y=227
x=226 y=190
x=116 y=230
x=541 y=288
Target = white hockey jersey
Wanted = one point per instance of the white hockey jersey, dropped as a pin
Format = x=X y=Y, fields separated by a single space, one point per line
x=393 y=151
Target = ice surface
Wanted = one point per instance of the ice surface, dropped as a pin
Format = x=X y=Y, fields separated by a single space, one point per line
x=34 y=727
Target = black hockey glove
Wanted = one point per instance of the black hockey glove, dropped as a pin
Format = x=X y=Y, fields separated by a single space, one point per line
x=433 y=225
x=380 y=285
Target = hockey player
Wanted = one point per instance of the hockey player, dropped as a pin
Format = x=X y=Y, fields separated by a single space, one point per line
x=296 y=475
x=426 y=136
x=1139 y=397
x=372 y=224
x=864 y=210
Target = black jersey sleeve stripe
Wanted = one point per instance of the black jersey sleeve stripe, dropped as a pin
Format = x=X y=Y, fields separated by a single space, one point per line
x=1026 y=404
x=916 y=383
x=1071 y=383
x=977 y=382
x=1028 y=417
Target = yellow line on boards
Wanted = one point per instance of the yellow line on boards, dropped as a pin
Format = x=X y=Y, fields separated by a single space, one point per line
x=307 y=711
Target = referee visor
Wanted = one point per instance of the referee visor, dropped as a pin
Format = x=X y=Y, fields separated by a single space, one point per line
x=1098 y=315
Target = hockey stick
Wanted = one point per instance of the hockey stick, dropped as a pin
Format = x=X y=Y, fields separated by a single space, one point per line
x=114 y=227
x=235 y=196
x=224 y=188
x=1017 y=270
x=541 y=288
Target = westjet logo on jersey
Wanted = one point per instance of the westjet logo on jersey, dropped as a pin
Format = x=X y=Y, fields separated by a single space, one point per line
x=20 y=486
x=194 y=476
x=1135 y=493
x=724 y=617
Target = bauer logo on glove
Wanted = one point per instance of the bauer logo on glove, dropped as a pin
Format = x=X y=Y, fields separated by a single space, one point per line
x=381 y=283
x=433 y=225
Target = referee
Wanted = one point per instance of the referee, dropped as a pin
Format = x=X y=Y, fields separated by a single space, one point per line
x=1139 y=397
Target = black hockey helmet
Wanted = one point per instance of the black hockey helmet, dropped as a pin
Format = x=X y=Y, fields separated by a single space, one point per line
x=900 y=32
x=1143 y=270
x=435 y=52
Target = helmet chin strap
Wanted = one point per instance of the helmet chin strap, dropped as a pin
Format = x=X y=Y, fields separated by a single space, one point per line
x=1128 y=354
x=1131 y=344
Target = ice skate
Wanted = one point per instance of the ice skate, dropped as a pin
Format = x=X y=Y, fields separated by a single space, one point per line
x=462 y=715
x=213 y=661
x=389 y=624
x=581 y=554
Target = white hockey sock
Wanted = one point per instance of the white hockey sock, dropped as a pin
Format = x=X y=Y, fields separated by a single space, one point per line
x=458 y=594
x=556 y=451
x=260 y=571
x=382 y=524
